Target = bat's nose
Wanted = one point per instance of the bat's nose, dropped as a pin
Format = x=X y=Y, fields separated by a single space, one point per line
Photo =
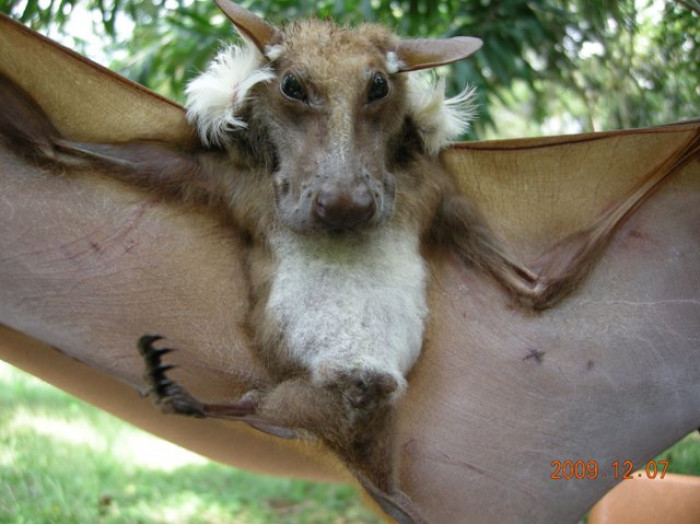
x=344 y=208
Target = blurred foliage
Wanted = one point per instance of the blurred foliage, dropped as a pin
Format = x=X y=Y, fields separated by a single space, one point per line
x=582 y=64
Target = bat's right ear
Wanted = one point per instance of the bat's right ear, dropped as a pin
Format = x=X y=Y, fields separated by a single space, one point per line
x=424 y=53
x=263 y=34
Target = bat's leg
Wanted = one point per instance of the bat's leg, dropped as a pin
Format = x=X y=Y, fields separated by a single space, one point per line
x=173 y=398
x=373 y=460
x=396 y=504
x=351 y=415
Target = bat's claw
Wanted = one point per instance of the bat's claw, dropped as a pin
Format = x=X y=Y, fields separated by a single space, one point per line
x=166 y=393
x=146 y=349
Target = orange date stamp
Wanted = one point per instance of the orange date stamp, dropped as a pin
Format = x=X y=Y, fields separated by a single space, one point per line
x=622 y=470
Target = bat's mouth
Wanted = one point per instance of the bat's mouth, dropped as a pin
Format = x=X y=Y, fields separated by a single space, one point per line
x=335 y=207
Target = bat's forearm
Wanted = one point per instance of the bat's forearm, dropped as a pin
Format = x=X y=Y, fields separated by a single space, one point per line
x=552 y=277
x=460 y=226
x=160 y=168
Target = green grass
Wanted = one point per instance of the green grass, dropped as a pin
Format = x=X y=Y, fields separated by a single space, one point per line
x=684 y=457
x=63 y=461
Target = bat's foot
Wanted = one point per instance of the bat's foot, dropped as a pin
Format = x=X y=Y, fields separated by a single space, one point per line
x=172 y=398
x=167 y=394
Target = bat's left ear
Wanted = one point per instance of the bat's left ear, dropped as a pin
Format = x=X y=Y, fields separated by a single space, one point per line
x=261 y=33
x=426 y=53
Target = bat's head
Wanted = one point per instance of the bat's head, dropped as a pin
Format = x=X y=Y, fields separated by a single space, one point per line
x=332 y=110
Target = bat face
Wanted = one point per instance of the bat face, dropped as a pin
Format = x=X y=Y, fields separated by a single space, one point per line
x=330 y=113
x=333 y=111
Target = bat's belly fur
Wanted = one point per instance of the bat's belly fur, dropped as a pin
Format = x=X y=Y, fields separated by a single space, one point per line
x=351 y=302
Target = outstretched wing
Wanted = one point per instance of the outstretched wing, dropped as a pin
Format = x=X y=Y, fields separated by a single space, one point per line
x=85 y=101
x=88 y=265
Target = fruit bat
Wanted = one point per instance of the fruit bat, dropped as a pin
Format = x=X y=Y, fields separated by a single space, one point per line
x=459 y=298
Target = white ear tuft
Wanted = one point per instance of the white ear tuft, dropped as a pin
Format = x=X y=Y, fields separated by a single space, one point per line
x=273 y=52
x=216 y=97
x=439 y=121
x=393 y=64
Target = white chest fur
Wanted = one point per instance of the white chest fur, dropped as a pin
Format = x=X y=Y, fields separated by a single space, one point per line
x=349 y=303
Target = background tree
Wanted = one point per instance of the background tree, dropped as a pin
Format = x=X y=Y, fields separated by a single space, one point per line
x=547 y=65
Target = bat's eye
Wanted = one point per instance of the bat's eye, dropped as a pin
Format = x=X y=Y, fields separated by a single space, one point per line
x=378 y=88
x=292 y=88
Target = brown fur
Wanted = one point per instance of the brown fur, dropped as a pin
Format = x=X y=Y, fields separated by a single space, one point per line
x=287 y=149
